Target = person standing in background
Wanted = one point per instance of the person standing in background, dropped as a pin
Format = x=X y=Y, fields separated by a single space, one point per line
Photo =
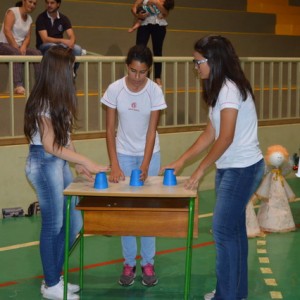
x=154 y=26
x=151 y=9
x=15 y=39
x=134 y=102
x=231 y=137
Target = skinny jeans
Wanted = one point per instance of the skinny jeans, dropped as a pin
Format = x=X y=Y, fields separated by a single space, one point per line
x=129 y=243
x=234 y=187
x=77 y=51
x=49 y=176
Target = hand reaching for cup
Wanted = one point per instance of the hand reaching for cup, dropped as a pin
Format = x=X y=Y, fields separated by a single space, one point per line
x=177 y=165
x=90 y=168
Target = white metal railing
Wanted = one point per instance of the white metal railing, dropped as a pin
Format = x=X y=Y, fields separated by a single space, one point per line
x=276 y=84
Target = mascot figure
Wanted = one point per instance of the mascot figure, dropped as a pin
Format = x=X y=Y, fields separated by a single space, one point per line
x=274 y=214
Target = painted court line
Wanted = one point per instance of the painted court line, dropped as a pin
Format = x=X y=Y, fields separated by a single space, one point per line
x=18 y=246
x=105 y=263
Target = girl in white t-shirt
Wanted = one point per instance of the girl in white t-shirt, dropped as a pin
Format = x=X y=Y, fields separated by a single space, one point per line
x=231 y=136
x=134 y=103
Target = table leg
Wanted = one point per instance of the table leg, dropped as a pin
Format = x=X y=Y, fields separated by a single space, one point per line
x=189 y=249
x=81 y=252
x=67 y=239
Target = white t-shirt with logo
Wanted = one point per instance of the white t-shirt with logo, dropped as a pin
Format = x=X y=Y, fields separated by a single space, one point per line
x=244 y=150
x=134 y=110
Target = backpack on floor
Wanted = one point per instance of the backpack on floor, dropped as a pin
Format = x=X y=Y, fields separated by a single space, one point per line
x=33 y=209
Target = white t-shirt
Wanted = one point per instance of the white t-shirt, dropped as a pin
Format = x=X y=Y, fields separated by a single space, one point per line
x=134 y=111
x=244 y=150
x=36 y=139
x=20 y=28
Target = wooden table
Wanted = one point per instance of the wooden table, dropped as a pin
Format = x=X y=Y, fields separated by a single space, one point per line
x=149 y=210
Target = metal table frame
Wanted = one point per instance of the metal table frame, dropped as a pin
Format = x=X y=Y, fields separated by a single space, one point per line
x=153 y=189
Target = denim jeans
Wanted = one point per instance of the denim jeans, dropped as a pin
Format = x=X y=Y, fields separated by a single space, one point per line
x=129 y=243
x=49 y=176
x=234 y=187
x=77 y=51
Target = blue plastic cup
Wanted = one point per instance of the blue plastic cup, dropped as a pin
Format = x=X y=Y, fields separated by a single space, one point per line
x=135 y=178
x=169 y=177
x=101 y=181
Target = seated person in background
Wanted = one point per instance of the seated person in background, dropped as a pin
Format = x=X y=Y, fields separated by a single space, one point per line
x=50 y=28
x=149 y=8
x=15 y=38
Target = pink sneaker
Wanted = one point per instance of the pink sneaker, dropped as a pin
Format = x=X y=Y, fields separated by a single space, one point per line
x=128 y=275
x=149 y=277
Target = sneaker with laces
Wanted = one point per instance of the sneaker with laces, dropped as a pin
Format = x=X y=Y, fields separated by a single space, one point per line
x=56 y=292
x=210 y=296
x=148 y=275
x=73 y=288
x=128 y=275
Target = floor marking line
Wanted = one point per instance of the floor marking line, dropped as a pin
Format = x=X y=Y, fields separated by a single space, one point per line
x=264 y=260
x=18 y=246
x=276 y=295
x=110 y=262
x=266 y=270
x=261 y=251
x=270 y=281
x=261 y=242
x=6 y=284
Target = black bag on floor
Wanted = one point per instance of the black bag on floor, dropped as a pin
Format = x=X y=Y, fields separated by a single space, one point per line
x=33 y=209
x=12 y=212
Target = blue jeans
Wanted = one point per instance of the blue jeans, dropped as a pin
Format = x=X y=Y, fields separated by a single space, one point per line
x=77 y=51
x=234 y=187
x=129 y=243
x=49 y=176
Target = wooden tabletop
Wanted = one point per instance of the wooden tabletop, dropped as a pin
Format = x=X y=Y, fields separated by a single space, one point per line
x=153 y=187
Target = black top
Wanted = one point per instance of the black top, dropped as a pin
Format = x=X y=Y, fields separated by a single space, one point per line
x=43 y=22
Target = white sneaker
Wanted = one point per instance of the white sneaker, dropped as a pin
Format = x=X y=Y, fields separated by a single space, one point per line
x=209 y=296
x=56 y=292
x=73 y=288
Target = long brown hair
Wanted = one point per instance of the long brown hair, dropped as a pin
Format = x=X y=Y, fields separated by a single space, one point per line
x=224 y=64
x=53 y=93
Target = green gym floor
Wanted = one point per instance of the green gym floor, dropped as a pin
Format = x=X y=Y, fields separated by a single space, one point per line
x=274 y=262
